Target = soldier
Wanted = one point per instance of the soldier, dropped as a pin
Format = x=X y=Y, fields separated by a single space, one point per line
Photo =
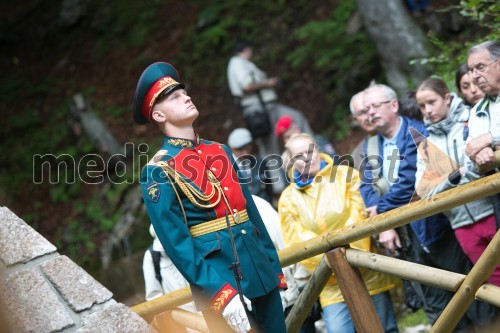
x=190 y=187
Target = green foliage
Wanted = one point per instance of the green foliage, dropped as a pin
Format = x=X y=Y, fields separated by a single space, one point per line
x=413 y=319
x=327 y=41
x=485 y=13
x=449 y=54
x=325 y=45
x=78 y=243
x=121 y=24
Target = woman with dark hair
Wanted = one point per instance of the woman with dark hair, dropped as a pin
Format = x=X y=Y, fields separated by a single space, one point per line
x=465 y=85
x=441 y=164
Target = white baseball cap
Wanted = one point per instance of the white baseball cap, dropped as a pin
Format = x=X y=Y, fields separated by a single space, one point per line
x=239 y=137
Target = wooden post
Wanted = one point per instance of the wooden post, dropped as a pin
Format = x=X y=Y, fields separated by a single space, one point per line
x=465 y=294
x=406 y=270
x=430 y=276
x=164 y=323
x=308 y=296
x=148 y=310
x=190 y=320
x=355 y=293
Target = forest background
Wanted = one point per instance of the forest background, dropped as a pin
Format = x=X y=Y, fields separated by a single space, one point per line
x=323 y=50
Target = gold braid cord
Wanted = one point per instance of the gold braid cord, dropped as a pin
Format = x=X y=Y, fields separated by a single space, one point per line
x=197 y=198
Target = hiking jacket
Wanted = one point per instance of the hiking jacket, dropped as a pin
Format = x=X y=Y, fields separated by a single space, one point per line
x=428 y=230
x=440 y=155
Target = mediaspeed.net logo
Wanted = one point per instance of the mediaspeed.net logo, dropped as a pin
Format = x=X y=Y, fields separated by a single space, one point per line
x=126 y=168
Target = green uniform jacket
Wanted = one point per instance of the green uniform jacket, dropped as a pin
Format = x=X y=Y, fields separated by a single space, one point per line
x=204 y=260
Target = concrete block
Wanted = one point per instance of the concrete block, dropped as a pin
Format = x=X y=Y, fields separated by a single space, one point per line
x=115 y=319
x=28 y=243
x=78 y=288
x=30 y=305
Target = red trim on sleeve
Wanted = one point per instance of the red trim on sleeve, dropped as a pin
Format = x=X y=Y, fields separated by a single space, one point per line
x=223 y=297
x=282 y=283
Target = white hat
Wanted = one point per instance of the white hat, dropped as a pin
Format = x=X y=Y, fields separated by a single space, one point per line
x=239 y=137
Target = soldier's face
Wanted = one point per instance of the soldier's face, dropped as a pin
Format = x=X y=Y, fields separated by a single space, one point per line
x=177 y=108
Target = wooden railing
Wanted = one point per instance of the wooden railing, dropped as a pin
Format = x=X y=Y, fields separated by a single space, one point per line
x=395 y=218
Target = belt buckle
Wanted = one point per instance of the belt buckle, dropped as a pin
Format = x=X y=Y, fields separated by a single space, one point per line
x=237 y=218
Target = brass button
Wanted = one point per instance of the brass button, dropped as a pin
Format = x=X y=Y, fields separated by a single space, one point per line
x=214 y=169
x=225 y=188
x=199 y=151
x=244 y=232
x=235 y=210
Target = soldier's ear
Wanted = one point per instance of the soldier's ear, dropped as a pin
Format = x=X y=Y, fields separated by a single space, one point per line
x=158 y=116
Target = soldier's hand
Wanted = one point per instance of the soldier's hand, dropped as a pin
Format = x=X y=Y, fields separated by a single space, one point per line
x=235 y=315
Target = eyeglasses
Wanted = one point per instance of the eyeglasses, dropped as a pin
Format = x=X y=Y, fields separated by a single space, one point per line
x=375 y=106
x=480 y=68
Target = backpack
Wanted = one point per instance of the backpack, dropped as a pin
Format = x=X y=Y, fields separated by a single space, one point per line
x=156 y=256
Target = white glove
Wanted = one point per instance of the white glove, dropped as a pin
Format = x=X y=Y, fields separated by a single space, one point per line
x=284 y=300
x=235 y=315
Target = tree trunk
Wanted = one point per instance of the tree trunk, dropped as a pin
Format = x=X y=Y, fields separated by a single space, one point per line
x=94 y=128
x=398 y=40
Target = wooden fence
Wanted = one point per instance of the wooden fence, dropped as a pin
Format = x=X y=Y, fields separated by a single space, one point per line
x=466 y=287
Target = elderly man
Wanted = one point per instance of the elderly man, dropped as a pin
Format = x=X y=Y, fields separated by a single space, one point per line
x=360 y=114
x=484 y=123
x=390 y=183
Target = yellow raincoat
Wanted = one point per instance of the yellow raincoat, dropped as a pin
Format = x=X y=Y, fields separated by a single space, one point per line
x=329 y=203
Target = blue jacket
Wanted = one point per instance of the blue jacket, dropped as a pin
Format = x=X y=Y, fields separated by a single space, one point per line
x=427 y=230
x=204 y=260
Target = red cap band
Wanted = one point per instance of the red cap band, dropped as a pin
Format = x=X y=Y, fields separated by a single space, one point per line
x=156 y=89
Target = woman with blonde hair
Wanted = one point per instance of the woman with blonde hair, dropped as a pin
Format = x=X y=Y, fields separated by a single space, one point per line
x=323 y=198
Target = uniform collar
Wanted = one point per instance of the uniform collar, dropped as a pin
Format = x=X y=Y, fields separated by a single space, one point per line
x=182 y=143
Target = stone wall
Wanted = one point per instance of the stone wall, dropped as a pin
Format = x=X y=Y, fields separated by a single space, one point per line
x=43 y=291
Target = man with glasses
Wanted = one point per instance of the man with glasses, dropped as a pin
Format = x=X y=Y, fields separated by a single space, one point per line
x=395 y=164
x=484 y=123
x=483 y=61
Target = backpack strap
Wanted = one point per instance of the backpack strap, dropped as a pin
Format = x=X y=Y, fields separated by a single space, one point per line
x=156 y=255
x=381 y=186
